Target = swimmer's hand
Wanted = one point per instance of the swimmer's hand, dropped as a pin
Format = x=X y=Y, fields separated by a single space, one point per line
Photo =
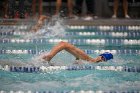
x=45 y=61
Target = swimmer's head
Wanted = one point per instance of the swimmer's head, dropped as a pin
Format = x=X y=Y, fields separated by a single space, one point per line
x=106 y=56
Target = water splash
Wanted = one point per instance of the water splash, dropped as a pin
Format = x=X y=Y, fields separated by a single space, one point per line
x=54 y=28
x=38 y=61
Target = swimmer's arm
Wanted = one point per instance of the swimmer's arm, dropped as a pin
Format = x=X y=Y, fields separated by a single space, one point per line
x=78 y=53
x=39 y=23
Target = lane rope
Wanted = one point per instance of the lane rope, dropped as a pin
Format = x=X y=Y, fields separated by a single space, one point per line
x=72 y=91
x=87 y=51
x=112 y=33
x=75 y=41
x=44 y=69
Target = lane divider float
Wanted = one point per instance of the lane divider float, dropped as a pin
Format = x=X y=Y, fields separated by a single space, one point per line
x=87 y=51
x=71 y=91
x=44 y=69
x=76 y=41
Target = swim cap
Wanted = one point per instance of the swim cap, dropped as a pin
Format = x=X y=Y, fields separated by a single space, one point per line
x=107 y=56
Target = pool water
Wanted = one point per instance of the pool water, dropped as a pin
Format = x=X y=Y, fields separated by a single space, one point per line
x=122 y=41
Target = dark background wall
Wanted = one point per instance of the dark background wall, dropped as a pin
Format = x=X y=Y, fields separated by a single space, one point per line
x=133 y=8
x=102 y=8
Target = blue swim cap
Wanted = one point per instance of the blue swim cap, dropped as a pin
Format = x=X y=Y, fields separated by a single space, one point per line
x=107 y=56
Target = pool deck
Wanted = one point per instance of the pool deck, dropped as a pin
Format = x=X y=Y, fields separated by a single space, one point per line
x=119 y=22
x=110 y=22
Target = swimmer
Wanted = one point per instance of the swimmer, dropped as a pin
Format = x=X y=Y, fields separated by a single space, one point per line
x=39 y=23
x=78 y=53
